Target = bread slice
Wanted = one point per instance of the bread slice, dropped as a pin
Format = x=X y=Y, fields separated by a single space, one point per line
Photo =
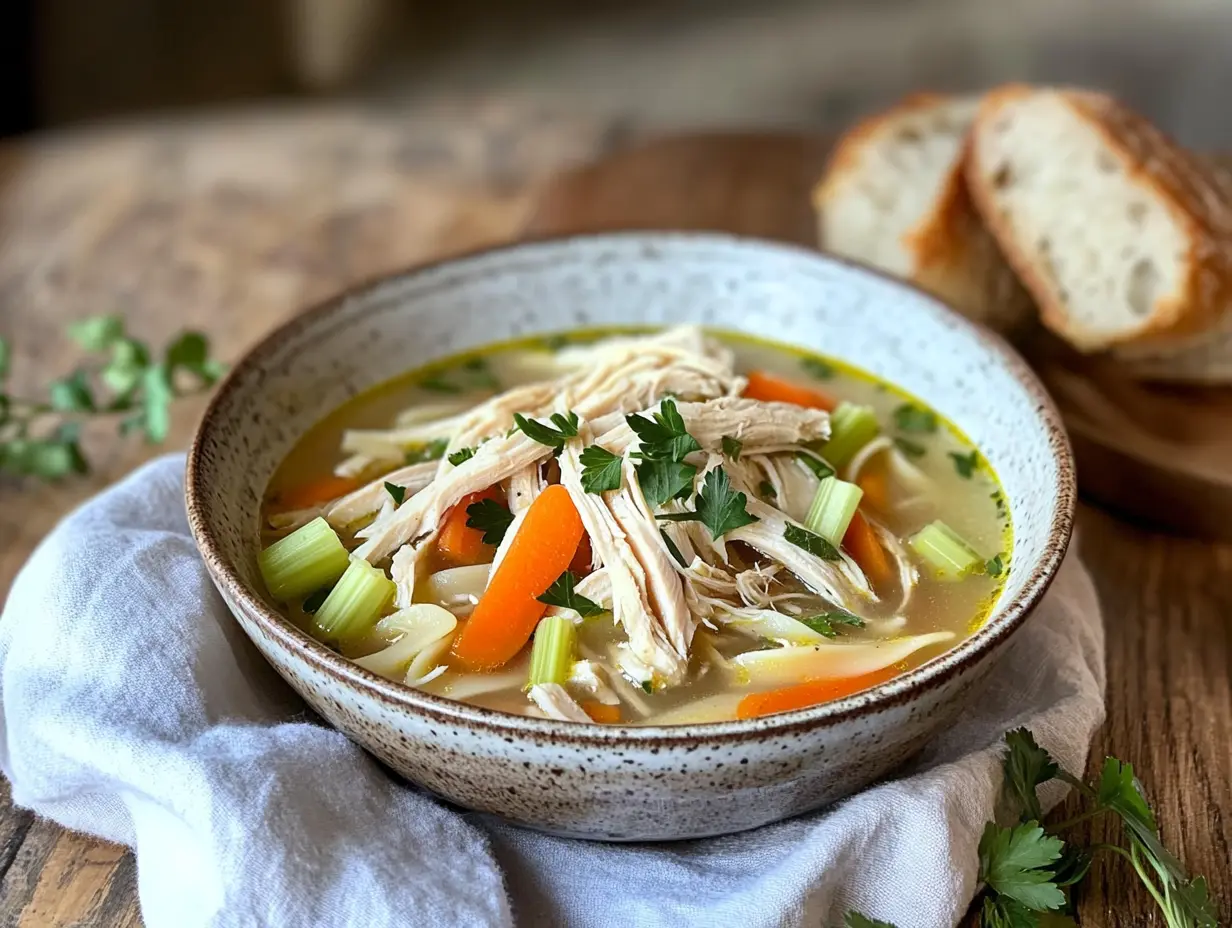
x=894 y=197
x=1121 y=236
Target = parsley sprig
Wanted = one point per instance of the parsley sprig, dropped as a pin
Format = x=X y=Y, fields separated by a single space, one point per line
x=40 y=437
x=555 y=438
x=562 y=593
x=491 y=518
x=825 y=623
x=664 y=443
x=600 y=469
x=719 y=507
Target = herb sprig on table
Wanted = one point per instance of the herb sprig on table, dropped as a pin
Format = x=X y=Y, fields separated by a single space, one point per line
x=120 y=376
x=1030 y=874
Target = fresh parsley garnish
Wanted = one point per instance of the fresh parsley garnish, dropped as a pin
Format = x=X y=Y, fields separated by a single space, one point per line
x=965 y=464
x=437 y=384
x=824 y=623
x=732 y=447
x=566 y=428
x=994 y=567
x=477 y=373
x=820 y=369
x=675 y=551
x=561 y=593
x=1026 y=767
x=1016 y=863
x=664 y=437
x=908 y=447
x=662 y=481
x=856 y=920
x=818 y=465
x=431 y=451
x=314 y=601
x=647 y=687
x=556 y=342
x=767 y=490
x=911 y=418
x=600 y=469
x=813 y=544
x=490 y=517
x=719 y=507
x=461 y=455
x=397 y=493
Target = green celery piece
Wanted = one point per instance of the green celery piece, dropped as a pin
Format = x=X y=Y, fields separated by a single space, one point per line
x=355 y=603
x=309 y=558
x=851 y=428
x=551 y=655
x=834 y=506
x=945 y=551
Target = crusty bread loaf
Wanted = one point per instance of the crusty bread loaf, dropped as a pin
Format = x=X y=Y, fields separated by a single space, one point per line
x=1122 y=237
x=894 y=197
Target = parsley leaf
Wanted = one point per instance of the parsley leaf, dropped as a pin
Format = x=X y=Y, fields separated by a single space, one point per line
x=96 y=333
x=432 y=451
x=819 y=466
x=314 y=601
x=823 y=623
x=438 y=384
x=664 y=437
x=995 y=567
x=911 y=418
x=720 y=508
x=813 y=544
x=854 y=919
x=601 y=469
x=820 y=369
x=1015 y=862
x=1027 y=766
x=396 y=493
x=732 y=447
x=461 y=456
x=490 y=517
x=908 y=447
x=662 y=481
x=647 y=687
x=767 y=490
x=476 y=371
x=72 y=394
x=1003 y=912
x=566 y=428
x=965 y=464
x=561 y=593
x=671 y=546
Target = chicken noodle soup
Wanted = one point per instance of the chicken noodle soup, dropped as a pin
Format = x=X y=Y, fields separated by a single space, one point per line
x=640 y=529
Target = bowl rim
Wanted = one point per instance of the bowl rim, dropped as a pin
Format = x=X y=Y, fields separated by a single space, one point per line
x=900 y=690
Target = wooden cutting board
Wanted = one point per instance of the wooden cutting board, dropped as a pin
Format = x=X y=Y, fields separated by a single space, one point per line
x=1162 y=455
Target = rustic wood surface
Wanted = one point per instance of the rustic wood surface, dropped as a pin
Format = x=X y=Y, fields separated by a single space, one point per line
x=229 y=225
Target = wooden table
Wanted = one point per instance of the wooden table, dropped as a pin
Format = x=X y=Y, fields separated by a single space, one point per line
x=231 y=224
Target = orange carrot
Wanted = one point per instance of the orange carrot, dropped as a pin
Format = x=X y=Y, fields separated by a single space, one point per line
x=808 y=694
x=457 y=542
x=581 y=564
x=601 y=712
x=508 y=611
x=769 y=388
x=876 y=492
x=314 y=492
x=862 y=544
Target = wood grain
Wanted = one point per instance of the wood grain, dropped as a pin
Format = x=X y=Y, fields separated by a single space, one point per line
x=228 y=225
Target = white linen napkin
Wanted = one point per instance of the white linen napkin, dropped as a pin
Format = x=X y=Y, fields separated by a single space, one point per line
x=135 y=709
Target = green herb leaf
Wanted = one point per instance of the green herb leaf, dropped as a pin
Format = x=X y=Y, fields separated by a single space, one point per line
x=96 y=333
x=431 y=451
x=664 y=437
x=675 y=551
x=156 y=397
x=1027 y=766
x=965 y=464
x=813 y=544
x=396 y=493
x=601 y=469
x=824 y=623
x=1119 y=790
x=720 y=508
x=555 y=342
x=767 y=490
x=315 y=601
x=910 y=418
x=732 y=447
x=437 y=384
x=191 y=352
x=662 y=481
x=6 y=353
x=476 y=371
x=125 y=370
x=820 y=369
x=1015 y=862
x=818 y=465
x=561 y=593
x=647 y=687
x=491 y=518
x=461 y=455
x=51 y=458
x=995 y=567
x=1003 y=912
x=72 y=394
x=566 y=428
x=908 y=447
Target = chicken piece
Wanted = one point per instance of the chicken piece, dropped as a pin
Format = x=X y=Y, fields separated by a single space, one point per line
x=908 y=576
x=589 y=677
x=556 y=703
x=794 y=483
x=524 y=487
x=359 y=504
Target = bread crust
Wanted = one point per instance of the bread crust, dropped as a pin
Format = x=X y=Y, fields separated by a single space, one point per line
x=1198 y=199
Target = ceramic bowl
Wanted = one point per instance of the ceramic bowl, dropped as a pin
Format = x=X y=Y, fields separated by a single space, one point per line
x=619 y=783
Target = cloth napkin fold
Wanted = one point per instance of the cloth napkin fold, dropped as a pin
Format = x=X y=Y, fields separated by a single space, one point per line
x=135 y=709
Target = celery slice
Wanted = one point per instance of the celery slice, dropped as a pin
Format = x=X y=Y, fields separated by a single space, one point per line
x=551 y=656
x=851 y=428
x=307 y=560
x=355 y=603
x=945 y=551
x=834 y=505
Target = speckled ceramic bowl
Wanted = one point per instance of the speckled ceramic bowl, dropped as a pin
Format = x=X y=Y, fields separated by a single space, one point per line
x=610 y=782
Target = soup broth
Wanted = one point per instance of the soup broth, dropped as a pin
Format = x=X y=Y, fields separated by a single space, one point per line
x=771 y=529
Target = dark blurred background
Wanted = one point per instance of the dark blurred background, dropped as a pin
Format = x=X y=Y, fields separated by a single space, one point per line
x=698 y=62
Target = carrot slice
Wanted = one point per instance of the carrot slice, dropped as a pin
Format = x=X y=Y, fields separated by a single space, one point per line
x=457 y=542
x=508 y=611
x=809 y=694
x=862 y=544
x=769 y=388
x=581 y=564
x=601 y=712
x=314 y=492
x=876 y=490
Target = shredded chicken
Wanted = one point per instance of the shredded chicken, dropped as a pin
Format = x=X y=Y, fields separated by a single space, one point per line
x=589 y=678
x=556 y=703
x=524 y=486
x=360 y=504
